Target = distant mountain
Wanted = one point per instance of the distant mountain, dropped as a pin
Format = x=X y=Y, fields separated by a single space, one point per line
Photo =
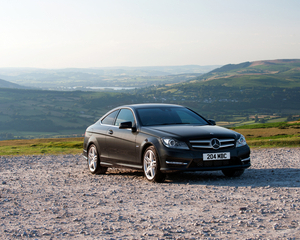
x=6 y=84
x=80 y=78
x=267 y=66
x=275 y=73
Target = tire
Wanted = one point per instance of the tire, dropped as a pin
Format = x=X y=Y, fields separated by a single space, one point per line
x=94 y=161
x=151 y=166
x=233 y=172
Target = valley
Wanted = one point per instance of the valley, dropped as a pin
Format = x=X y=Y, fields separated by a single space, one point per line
x=268 y=91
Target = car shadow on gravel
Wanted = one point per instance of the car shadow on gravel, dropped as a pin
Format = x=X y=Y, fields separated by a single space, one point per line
x=274 y=177
x=124 y=172
x=277 y=177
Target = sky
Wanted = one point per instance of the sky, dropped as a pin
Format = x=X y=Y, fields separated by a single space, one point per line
x=108 y=33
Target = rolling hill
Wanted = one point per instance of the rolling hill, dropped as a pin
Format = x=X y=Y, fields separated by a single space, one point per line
x=260 y=87
x=271 y=73
x=6 y=84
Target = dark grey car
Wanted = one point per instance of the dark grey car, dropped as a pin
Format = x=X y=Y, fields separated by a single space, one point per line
x=161 y=138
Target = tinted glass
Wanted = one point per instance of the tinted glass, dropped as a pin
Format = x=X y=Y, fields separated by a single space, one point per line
x=168 y=116
x=109 y=119
x=125 y=115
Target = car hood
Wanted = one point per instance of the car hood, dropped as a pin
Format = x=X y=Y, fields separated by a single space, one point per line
x=191 y=131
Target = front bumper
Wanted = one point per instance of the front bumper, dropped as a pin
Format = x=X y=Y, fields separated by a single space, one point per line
x=174 y=160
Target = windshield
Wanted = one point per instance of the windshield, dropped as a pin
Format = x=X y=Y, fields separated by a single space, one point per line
x=168 y=116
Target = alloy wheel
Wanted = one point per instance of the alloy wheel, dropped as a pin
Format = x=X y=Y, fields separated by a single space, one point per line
x=150 y=164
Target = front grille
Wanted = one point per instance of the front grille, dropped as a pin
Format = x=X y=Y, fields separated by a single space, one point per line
x=206 y=144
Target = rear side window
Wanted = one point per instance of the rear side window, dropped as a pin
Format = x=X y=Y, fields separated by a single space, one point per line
x=125 y=115
x=110 y=118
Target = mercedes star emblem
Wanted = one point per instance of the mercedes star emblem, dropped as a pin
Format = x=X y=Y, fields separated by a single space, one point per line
x=215 y=143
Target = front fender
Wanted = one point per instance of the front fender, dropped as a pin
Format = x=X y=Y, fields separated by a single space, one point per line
x=147 y=142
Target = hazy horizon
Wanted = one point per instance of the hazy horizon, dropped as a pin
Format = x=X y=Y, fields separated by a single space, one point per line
x=133 y=33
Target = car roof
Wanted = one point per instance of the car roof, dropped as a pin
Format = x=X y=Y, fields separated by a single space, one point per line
x=141 y=105
x=150 y=105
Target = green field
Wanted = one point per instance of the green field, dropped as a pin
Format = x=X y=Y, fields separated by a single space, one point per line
x=281 y=134
x=41 y=146
x=279 y=125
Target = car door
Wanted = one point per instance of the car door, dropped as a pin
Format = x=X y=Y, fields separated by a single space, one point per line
x=100 y=133
x=121 y=143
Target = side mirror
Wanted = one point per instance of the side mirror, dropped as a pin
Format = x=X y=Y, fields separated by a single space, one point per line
x=212 y=122
x=125 y=125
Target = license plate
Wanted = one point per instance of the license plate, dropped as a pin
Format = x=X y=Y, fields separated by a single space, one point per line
x=216 y=156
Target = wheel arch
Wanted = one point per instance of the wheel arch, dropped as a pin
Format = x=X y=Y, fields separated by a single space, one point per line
x=93 y=141
x=148 y=143
x=144 y=150
x=154 y=174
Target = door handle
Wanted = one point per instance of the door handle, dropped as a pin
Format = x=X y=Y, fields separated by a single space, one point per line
x=110 y=132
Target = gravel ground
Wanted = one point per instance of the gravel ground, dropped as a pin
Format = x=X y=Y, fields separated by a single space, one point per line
x=55 y=197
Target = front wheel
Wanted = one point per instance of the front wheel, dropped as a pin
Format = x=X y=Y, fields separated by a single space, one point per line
x=151 y=166
x=94 y=161
x=233 y=172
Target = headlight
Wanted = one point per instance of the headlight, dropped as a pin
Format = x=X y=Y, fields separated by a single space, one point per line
x=173 y=143
x=241 y=141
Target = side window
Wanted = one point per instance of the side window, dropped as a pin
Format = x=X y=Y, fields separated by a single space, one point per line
x=125 y=115
x=109 y=119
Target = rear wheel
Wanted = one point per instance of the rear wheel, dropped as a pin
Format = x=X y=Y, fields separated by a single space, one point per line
x=233 y=172
x=94 y=161
x=151 y=166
